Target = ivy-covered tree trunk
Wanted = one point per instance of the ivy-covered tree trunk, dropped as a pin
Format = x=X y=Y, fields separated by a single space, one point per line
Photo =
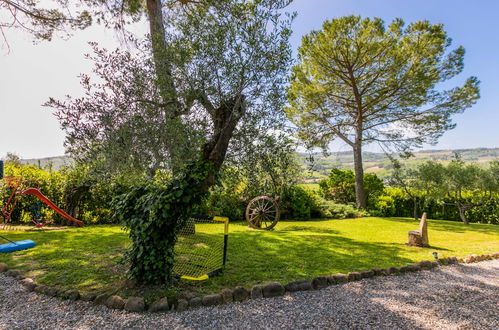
x=155 y=215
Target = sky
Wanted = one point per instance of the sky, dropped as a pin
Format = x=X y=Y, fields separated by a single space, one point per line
x=31 y=73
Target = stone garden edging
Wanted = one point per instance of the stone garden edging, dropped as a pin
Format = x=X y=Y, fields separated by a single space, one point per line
x=238 y=294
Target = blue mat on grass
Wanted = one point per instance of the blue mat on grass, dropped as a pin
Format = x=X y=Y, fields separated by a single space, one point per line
x=17 y=246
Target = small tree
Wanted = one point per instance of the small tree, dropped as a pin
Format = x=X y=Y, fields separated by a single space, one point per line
x=468 y=185
x=270 y=168
x=406 y=179
x=340 y=186
x=362 y=82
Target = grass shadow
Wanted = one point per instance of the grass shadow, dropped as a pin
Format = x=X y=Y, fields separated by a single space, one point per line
x=449 y=226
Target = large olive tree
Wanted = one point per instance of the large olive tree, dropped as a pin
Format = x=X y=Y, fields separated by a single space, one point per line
x=362 y=82
x=213 y=85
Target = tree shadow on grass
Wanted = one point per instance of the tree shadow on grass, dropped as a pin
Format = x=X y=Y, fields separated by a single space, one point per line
x=449 y=226
x=309 y=229
x=256 y=258
x=74 y=257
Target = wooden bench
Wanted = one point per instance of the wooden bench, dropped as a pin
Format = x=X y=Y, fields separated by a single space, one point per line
x=419 y=237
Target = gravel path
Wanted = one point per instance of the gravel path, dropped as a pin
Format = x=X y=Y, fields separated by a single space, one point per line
x=462 y=296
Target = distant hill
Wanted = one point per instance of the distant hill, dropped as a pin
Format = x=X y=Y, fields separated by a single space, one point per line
x=54 y=162
x=380 y=164
x=321 y=166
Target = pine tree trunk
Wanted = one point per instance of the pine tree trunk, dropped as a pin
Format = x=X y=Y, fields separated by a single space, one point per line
x=359 y=176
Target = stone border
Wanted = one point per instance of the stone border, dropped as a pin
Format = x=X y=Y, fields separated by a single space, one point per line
x=273 y=289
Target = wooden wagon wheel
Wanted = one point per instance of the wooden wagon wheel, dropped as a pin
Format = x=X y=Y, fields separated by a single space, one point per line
x=262 y=212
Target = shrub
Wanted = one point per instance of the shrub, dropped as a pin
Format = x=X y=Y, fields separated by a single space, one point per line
x=340 y=186
x=223 y=203
x=329 y=209
x=297 y=203
x=384 y=206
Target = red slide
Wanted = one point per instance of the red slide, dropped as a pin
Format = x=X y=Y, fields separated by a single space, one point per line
x=35 y=192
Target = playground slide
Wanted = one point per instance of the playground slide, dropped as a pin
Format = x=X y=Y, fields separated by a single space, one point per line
x=35 y=192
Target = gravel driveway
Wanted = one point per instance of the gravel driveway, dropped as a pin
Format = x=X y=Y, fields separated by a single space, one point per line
x=462 y=296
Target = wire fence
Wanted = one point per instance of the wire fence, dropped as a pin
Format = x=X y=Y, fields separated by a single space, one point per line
x=201 y=247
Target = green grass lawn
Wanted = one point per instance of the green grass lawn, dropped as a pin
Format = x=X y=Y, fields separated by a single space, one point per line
x=87 y=259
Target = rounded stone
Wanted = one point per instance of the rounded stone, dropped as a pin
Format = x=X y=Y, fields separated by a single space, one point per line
x=135 y=304
x=172 y=301
x=40 y=289
x=404 y=269
x=3 y=267
x=392 y=270
x=29 y=284
x=273 y=289
x=115 y=302
x=240 y=293
x=212 y=300
x=425 y=264
x=339 y=278
x=414 y=267
x=182 y=305
x=319 y=282
x=13 y=273
x=101 y=299
x=367 y=274
x=354 y=276
x=73 y=294
x=227 y=296
x=87 y=296
x=50 y=291
x=301 y=285
x=159 y=306
x=195 y=302
x=256 y=292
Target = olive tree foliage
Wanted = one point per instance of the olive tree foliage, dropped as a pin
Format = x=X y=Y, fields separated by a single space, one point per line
x=362 y=82
x=467 y=184
x=120 y=124
x=211 y=83
x=217 y=59
x=270 y=167
x=48 y=18
x=406 y=179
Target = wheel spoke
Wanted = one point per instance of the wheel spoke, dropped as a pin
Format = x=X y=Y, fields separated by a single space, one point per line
x=270 y=207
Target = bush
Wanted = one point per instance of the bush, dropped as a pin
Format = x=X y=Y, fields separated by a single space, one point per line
x=384 y=206
x=223 y=203
x=72 y=189
x=329 y=209
x=339 y=187
x=396 y=203
x=297 y=203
